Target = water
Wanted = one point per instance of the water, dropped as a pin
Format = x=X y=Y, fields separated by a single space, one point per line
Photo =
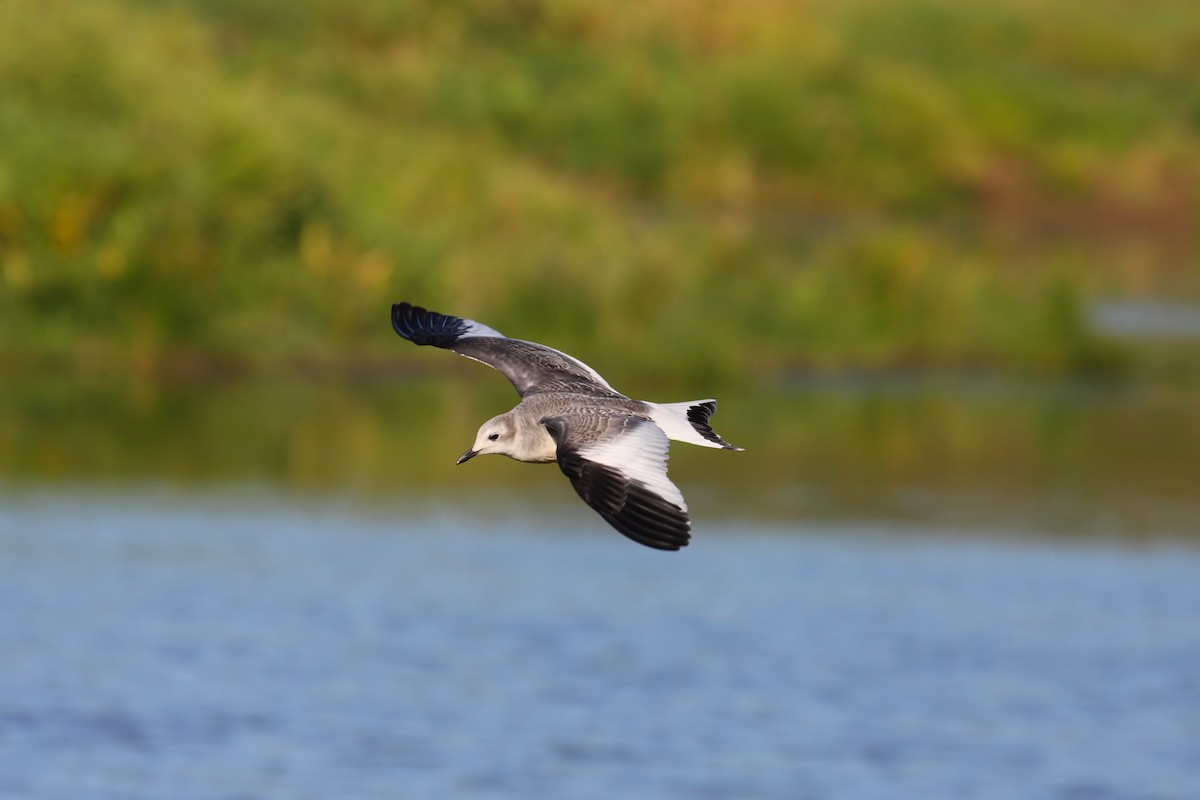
x=230 y=644
x=1154 y=320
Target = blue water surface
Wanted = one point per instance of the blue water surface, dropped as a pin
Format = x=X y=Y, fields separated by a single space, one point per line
x=221 y=647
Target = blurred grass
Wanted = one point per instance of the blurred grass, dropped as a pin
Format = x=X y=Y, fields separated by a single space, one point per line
x=756 y=187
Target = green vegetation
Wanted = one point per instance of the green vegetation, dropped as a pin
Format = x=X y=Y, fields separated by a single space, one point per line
x=249 y=184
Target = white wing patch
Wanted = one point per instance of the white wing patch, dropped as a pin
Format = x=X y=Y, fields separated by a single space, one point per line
x=639 y=452
x=473 y=328
x=673 y=419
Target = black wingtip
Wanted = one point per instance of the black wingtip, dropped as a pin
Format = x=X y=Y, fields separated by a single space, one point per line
x=421 y=326
x=651 y=521
x=627 y=505
x=699 y=415
x=400 y=319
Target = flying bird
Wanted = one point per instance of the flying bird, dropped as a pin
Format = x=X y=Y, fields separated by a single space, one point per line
x=612 y=448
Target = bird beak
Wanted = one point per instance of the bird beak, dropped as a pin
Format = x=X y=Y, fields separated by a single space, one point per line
x=467 y=456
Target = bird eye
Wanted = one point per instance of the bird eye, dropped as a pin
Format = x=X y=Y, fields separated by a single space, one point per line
x=494 y=436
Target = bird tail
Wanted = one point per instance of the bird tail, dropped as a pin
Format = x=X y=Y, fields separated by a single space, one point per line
x=688 y=422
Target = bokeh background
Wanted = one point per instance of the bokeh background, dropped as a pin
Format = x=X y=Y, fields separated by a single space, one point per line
x=908 y=244
x=939 y=260
x=754 y=187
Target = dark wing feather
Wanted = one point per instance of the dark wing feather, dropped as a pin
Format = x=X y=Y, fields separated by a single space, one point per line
x=529 y=366
x=628 y=504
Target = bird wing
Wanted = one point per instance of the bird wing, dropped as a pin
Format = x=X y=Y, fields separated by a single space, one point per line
x=618 y=464
x=529 y=366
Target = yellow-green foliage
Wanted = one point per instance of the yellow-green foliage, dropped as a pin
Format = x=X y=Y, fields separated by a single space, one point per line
x=249 y=182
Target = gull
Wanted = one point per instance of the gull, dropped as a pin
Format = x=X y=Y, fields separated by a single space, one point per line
x=613 y=449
